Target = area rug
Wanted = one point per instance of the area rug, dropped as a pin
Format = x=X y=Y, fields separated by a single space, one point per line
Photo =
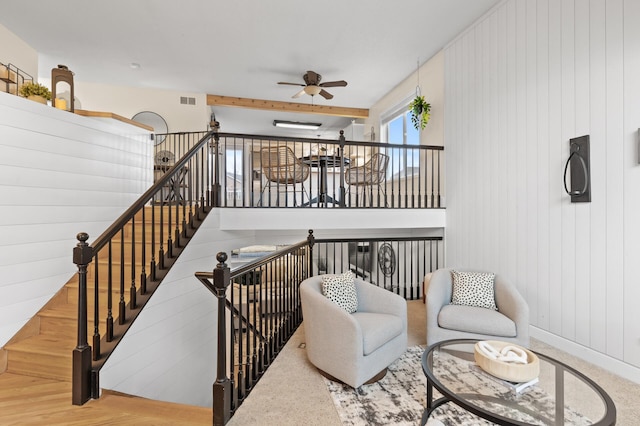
x=400 y=397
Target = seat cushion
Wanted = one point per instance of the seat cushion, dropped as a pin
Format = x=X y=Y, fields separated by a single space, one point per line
x=377 y=329
x=476 y=320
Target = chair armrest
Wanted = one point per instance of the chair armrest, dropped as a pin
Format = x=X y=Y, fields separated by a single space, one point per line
x=511 y=303
x=438 y=294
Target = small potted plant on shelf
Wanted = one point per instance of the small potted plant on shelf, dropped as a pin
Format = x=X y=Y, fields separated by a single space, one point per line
x=35 y=92
x=420 y=112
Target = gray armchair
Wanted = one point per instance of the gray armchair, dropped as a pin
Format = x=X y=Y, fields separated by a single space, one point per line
x=353 y=348
x=445 y=321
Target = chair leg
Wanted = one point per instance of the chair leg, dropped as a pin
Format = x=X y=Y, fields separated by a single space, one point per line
x=302 y=194
x=261 y=195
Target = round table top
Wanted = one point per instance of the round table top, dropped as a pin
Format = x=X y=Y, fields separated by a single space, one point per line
x=562 y=395
x=324 y=160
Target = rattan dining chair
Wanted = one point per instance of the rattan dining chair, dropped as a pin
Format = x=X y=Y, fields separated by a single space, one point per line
x=365 y=177
x=282 y=169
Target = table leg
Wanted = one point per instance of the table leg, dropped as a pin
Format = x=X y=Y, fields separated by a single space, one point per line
x=323 y=184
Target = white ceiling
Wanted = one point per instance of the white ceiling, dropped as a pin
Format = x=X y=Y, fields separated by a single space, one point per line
x=243 y=47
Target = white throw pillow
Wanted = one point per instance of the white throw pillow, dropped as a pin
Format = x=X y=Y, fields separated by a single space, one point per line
x=341 y=290
x=473 y=289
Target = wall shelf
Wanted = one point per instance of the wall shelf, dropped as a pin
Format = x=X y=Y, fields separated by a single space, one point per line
x=13 y=78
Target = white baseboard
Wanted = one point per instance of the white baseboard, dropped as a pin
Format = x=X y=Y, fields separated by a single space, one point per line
x=603 y=361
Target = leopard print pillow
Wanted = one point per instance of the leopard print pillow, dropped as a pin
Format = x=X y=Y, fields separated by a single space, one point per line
x=473 y=289
x=341 y=290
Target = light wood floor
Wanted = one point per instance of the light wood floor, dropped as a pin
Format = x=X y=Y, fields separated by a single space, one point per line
x=26 y=400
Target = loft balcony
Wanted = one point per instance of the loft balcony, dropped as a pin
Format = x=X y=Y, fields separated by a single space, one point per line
x=292 y=183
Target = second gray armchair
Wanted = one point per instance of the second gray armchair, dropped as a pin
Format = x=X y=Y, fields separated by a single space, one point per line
x=446 y=321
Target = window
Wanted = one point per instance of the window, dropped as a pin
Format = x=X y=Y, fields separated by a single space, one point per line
x=233 y=171
x=398 y=130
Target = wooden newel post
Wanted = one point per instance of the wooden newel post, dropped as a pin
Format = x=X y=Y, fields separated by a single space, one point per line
x=312 y=240
x=222 y=385
x=82 y=255
x=343 y=192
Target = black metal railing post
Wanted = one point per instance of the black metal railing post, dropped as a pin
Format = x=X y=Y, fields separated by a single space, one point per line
x=222 y=385
x=312 y=240
x=217 y=189
x=343 y=192
x=81 y=379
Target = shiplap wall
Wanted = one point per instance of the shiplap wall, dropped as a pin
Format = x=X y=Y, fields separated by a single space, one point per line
x=60 y=174
x=519 y=84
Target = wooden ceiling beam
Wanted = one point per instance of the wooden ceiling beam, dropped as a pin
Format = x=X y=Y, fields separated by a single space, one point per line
x=230 y=101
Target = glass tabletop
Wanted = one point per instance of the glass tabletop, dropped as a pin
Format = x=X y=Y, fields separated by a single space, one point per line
x=562 y=395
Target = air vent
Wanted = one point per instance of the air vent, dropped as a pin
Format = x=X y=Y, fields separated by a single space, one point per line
x=184 y=100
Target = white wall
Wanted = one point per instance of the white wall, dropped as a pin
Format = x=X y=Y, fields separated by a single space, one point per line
x=519 y=84
x=128 y=101
x=431 y=87
x=16 y=52
x=60 y=174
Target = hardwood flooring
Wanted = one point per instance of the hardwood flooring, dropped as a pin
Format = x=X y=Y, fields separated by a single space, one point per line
x=27 y=400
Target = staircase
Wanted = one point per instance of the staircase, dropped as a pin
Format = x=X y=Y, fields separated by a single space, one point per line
x=42 y=349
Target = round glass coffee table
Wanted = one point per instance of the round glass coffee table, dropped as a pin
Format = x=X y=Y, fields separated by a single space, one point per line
x=562 y=395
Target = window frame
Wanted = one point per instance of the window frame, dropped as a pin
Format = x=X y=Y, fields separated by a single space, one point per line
x=400 y=110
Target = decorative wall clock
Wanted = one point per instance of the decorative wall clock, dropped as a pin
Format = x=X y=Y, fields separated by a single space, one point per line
x=387 y=259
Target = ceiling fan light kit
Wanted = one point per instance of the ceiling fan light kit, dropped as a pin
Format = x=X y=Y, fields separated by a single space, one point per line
x=313 y=87
x=297 y=125
x=312 y=90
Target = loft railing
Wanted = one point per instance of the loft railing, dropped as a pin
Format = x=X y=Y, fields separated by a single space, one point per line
x=268 y=171
x=397 y=264
x=259 y=306
x=256 y=317
x=127 y=262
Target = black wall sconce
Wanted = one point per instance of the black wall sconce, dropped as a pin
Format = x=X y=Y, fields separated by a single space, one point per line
x=579 y=159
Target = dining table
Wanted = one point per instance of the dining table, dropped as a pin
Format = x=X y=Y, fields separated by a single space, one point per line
x=322 y=163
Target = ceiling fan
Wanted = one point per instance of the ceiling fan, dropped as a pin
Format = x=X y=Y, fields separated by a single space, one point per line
x=313 y=86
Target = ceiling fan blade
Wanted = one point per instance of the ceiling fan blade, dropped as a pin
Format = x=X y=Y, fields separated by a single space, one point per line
x=297 y=95
x=325 y=94
x=340 y=83
x=291 y=84
x=312 y=78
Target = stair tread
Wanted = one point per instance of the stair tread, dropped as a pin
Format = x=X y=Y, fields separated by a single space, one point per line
x=59 y=344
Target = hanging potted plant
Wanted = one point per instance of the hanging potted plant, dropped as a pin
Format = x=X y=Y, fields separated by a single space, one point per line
x=419 y=108
x=420 y=112
x=35 y=92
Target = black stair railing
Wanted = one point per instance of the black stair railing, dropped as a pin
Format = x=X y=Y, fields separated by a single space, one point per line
x=259 y=305
x=259 y=309
x=129 y=260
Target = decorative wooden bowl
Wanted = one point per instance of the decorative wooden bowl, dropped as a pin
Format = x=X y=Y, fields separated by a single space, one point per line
x=511 y=372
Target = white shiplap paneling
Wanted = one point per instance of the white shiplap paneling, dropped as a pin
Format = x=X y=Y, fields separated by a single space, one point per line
x=60 y=174
x=630 y=184
x=519 y=85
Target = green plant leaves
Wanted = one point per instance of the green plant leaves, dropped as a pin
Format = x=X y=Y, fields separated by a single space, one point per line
x=31 y=89
x=420 y=112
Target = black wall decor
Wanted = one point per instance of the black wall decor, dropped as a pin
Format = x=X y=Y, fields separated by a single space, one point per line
x=580 y=170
